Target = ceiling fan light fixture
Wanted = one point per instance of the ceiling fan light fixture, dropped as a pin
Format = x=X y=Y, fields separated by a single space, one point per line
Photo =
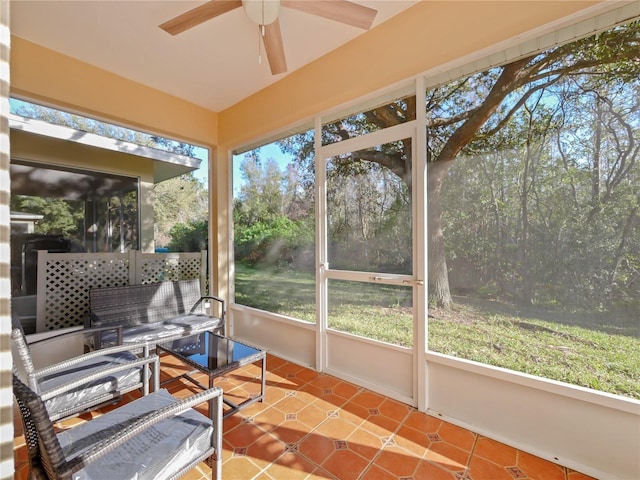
x=262 y=12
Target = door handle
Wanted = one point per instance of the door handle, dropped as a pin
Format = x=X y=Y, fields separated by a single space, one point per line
x=406 y=281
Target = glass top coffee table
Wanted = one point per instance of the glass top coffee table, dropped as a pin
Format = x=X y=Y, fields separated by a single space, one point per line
x=214 y=356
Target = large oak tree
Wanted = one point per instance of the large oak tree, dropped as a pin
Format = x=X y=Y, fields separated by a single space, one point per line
x=473 y=109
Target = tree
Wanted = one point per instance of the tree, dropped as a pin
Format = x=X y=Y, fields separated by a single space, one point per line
x=475 y=108
x=59 y=216
x=273 y=223
x=262 y=194
x=523 y=220
x=178 y=201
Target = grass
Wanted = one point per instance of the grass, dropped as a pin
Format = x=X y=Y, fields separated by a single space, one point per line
x=580 y=355
x=278 y=291
x=600 y=351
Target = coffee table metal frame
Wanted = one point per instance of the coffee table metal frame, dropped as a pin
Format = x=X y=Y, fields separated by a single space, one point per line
x=218 y=372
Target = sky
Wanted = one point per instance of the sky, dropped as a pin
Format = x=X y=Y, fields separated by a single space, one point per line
x=267 y=151
x=202 y=173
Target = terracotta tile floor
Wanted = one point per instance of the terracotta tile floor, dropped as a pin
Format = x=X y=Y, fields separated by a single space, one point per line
x=315 y=426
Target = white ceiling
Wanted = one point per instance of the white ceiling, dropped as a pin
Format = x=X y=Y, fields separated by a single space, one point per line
x=213 y=65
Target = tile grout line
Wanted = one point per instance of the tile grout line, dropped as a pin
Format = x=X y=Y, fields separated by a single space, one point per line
x=385 y=443
x=467 y=470
x=357 y=427
x=288 y=447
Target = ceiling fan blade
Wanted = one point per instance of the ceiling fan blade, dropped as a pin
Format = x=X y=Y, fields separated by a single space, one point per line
x=341 y=11
x=199 y=15
x=274 y=47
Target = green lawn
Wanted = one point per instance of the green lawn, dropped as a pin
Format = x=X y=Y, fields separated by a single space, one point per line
x=581 y=355
x=599 y=351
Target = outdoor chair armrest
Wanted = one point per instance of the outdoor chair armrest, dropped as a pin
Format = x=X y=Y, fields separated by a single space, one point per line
x=213 y=395
x=65 y=364
x=95 y=331
x=209 y=297
x=153 y=361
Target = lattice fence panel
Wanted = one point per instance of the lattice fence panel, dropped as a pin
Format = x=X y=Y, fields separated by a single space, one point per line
x=63 y=288
x=67 y=283
x=154 y=268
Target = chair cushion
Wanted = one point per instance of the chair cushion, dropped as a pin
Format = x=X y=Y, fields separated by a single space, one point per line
x=157 y=453
x=106 y=388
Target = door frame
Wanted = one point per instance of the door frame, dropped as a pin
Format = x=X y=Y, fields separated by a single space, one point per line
x=408 y=386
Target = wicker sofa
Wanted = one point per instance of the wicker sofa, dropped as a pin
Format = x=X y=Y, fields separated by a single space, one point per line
x=153 y=312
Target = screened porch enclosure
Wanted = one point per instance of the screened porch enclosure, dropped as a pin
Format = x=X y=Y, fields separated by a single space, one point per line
x=491 y=284
x=505 y=219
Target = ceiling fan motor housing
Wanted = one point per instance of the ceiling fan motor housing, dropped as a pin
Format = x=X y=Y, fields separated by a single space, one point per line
x=262 y=12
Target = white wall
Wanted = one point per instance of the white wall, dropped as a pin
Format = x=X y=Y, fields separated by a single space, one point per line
x=291 y=340
x=593 y=432
x=387 y=369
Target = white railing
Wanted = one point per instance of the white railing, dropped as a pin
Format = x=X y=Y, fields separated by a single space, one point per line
x=64 y=279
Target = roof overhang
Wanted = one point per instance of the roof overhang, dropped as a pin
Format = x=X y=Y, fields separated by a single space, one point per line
x=82 y=145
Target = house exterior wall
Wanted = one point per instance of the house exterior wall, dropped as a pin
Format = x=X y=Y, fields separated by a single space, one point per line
x=99 y=161
x=48 y=77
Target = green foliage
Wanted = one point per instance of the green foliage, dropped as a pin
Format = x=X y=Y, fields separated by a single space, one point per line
x=263 y=192
x=273 y=223
x=277 y=242
x=178 y=201
x=190 y=237
x=597 y=351
x=543 y=206
x=283 y=291
x=60 y=216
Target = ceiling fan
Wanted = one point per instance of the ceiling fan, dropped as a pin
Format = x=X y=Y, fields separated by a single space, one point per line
x=265 y=14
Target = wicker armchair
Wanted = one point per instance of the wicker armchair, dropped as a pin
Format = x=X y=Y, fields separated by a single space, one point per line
x=155 y=437
x=84 y=382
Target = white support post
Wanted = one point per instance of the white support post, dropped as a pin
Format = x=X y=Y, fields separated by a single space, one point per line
x=134 y=275
x=321 y=250
x=41 y=295
x=203 y=273
x=420 y=291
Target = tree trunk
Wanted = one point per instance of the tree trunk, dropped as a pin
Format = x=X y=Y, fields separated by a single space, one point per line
x=619 y=254
x=438 y=276
x=597 y=157
x=437 y=172
x=525 y=274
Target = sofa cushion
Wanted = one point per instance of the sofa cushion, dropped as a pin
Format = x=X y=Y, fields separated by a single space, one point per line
x=194 y=321
x=180 y=326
